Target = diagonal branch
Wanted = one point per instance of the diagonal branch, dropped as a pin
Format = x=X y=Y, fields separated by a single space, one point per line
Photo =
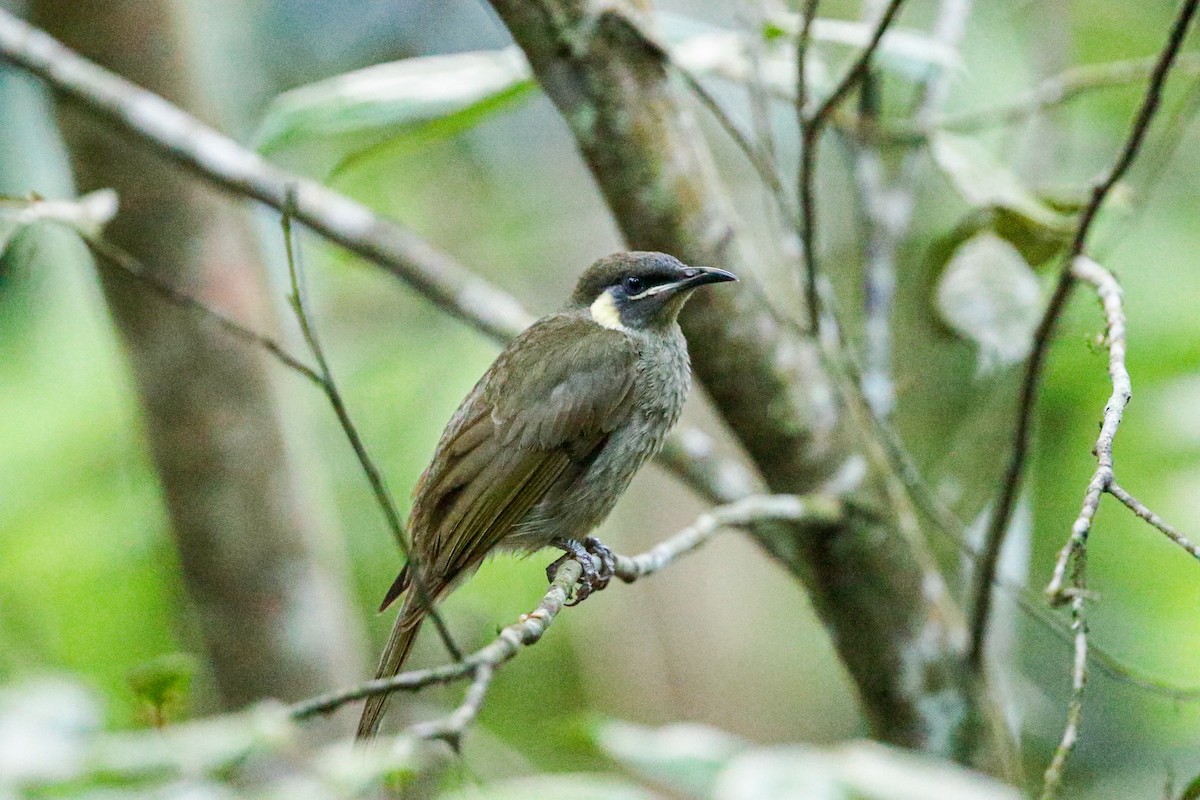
x=215 y=157
x=1166 y=528
x=994 y=540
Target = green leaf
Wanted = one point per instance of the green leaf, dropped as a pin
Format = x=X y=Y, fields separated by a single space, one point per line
x=412 y=137
x=985 y=183
x=683 y=757
x=989 y=295
x=1192 y=790
x=395 y=96
x=1037 y=243
x=164 y=683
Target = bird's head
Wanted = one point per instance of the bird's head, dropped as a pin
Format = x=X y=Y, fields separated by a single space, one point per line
x=640 y=291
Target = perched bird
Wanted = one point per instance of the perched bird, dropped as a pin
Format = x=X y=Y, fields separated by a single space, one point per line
x=539 y=451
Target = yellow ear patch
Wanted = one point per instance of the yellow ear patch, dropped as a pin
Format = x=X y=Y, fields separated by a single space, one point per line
x=604 y=311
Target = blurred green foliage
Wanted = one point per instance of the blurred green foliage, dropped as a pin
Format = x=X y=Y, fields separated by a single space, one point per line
x=89 y=584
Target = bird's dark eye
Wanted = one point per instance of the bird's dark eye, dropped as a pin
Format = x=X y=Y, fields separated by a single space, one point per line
x=633 y=285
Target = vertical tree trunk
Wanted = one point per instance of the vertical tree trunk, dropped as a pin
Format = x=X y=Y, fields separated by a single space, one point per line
x=273 y=612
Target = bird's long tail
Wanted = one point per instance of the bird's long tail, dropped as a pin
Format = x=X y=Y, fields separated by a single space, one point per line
x=404 y=633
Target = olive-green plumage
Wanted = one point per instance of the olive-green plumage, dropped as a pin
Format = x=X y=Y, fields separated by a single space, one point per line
x=551 y=435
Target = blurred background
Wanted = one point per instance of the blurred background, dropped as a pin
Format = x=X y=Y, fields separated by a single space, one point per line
x=96 y=590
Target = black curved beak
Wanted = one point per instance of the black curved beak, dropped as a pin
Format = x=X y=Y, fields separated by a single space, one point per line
x=703 y=275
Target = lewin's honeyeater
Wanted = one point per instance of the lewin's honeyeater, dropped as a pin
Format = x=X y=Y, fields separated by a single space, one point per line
x=539 y=451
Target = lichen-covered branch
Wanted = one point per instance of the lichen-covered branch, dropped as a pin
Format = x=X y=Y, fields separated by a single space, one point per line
x=1166 y=528
x=1109 y=292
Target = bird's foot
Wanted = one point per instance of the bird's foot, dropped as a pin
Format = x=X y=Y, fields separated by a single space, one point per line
x=596 y=561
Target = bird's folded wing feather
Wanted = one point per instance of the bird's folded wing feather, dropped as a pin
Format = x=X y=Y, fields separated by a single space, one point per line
x=545 y=408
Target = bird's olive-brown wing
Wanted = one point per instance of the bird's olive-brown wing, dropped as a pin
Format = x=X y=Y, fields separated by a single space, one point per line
x=543 y=410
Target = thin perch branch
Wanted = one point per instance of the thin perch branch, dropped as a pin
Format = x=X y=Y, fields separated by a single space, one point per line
x=1045 y=330
x=1073 y=555
x=818 y=510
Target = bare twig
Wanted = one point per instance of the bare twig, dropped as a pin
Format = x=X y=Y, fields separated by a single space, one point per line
x=1110 y=296
x=810 y=132
x=383 y=497
x=511 y=639
x=1137 y=507
x=115 y=259
x=1052 y=778
x=1045 y=330
x=451 y=728
x=862 y=63
x=759 y=158
x=811 y=127
x=1073 y=555
x=816 y=510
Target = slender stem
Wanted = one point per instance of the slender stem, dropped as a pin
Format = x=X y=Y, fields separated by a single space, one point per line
x=862 y=63
x=383 y=497
x=1168 y=530
x=1053 y=776
x=114 y=258
x=811 y=126
x=1109 y=293
x=810 y=134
